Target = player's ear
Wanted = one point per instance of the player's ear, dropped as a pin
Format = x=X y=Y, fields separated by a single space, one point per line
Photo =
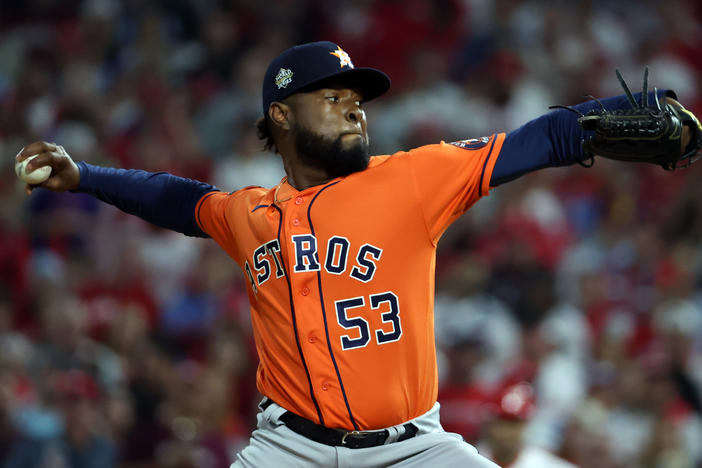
x=279 y=114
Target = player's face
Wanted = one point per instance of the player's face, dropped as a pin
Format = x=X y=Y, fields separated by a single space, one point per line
x=330 y=130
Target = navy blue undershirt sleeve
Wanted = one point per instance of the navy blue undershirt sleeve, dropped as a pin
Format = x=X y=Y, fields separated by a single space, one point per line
x=552 y=140
x=157 y=197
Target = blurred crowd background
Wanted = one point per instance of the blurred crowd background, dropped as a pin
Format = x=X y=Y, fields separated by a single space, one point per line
x=124 y=345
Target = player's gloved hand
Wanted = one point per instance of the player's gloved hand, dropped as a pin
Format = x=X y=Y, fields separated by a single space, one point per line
x=665 y=133
x=64 y=172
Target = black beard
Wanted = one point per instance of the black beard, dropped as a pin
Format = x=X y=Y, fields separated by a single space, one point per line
x=330 y=155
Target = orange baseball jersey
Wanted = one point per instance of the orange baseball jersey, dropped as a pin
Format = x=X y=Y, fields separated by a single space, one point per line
x=341 y=280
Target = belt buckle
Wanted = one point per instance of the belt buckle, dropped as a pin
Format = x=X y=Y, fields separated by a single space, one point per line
x=349 y=433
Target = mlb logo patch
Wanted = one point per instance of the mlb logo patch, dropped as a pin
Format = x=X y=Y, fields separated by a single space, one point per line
x=283 y=78
x=472 y=144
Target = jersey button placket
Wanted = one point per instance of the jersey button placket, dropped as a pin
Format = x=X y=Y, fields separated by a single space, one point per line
x=304 y=284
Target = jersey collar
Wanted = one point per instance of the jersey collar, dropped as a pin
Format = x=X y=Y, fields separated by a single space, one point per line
x=284 y=191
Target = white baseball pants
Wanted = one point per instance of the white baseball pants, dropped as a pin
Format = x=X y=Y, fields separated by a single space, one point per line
x=273 y=445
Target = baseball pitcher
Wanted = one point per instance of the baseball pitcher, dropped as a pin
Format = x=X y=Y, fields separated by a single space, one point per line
x=339 y=257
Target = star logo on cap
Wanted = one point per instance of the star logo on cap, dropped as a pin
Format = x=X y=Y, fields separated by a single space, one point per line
x=344 y=59
x=283 y=78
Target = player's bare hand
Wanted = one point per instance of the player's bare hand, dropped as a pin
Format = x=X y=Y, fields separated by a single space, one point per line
x=64 y=172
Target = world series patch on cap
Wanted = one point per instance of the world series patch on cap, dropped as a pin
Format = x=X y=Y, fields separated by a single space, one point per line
x=303 y=66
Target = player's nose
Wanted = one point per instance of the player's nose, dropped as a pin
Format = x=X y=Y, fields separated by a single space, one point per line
x=354 y=114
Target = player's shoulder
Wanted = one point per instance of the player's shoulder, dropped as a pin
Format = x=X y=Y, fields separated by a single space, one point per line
x=382 y=159
x=250 y=191
x=378 y=160
x=429 y=149
x=473 y=144
x=245 y=197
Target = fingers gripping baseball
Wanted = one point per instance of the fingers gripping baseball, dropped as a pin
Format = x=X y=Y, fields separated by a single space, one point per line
x=64 y=172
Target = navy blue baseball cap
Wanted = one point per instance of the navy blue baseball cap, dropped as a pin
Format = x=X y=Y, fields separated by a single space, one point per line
x=305 y=65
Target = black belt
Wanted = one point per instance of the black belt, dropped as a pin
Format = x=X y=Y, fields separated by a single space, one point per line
x=338 y=437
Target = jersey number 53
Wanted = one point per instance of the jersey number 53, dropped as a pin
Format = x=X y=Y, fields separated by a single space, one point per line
x=389 y=307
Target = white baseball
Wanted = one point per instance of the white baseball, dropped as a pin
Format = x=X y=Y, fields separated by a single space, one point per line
x=37 y=176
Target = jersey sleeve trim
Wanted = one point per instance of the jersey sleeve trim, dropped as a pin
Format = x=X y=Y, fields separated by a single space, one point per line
x=198 y=206
x=489 y=163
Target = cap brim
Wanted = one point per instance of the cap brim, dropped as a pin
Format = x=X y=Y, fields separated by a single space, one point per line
x=370 y=82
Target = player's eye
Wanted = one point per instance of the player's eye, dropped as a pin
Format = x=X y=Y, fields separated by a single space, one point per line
x=333 y=99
